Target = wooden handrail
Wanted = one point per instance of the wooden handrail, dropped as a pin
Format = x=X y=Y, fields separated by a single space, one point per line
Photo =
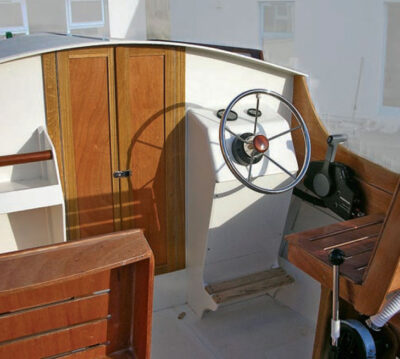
x=20 y=158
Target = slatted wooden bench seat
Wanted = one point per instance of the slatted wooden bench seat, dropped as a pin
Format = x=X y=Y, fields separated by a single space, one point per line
x=82 y=299
x=371 y=269
x=357 y=238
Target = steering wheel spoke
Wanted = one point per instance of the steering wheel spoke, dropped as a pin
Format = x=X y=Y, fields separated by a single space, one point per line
x=255 y=146
x=237 y=136
x=280 y=166
x=284 y=133
x=250 y=167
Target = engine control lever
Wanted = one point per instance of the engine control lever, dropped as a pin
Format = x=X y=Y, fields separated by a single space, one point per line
x=322 y=183
x=333 y=142
x=336 y=257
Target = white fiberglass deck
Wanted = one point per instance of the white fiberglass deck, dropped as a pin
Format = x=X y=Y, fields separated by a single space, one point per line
x=257 y=328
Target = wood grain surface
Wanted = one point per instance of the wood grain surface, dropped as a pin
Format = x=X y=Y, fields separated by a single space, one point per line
x=87 y=299
x=377 y=182
x=150 y=92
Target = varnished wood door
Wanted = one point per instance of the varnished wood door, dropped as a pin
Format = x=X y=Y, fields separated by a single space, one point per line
x=150 y=92
x=89 y=145
x=144 y=133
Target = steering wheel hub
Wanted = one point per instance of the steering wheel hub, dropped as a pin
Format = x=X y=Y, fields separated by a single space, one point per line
x=260 y=143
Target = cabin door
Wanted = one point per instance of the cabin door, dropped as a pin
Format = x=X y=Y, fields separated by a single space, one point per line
x=122 y=109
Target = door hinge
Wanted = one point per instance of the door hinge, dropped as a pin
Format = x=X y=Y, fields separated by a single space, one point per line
x=121 y=174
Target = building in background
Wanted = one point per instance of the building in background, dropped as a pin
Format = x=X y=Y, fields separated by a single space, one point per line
x=350 y=49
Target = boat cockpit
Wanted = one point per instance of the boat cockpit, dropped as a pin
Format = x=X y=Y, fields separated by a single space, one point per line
x=121 y=160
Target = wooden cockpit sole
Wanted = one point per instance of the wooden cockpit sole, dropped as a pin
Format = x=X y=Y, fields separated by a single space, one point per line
x=248 y=286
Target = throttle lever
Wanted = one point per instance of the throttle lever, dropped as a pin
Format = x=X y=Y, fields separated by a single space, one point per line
x=322 y=184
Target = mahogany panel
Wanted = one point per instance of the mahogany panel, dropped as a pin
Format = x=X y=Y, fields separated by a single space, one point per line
x=21 y=158
x=377 y=182
x=89 y=144
x=92 y=148
x=147 y=157
x=27 y=298
x=150 y=89
x=55 y=316
x=56 y=342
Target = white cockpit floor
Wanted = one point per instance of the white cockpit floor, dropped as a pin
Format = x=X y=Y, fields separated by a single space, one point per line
x=256 y=328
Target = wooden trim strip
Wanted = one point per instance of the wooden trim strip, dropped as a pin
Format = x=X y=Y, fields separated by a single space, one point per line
x=56 y=342
x=71 y=260
x=21 y=158
x=24 y=299
x=53 y=316
x=50 y=86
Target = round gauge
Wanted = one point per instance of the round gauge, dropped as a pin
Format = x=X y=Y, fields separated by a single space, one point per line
x=231 y=117
x=254 y=112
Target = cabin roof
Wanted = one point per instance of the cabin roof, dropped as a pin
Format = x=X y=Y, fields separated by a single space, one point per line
x=36 y=44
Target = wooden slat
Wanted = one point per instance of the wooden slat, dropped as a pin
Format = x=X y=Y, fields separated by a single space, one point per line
x=366 y=245
x=340 y=240
x=237 y=282
x=377 y=182
x=357 y=238
x=56 y=342
x=71 y=260
x=250 y=285
x=21 y=158
x=55 y=316
x=97 y=352
x=21 y=299
x=336 y=228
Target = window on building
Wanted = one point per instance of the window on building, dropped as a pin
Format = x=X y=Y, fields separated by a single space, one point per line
x=13 y=17
x=277 y=29
x=391 y=88
x=277 y=19
x=85 y=14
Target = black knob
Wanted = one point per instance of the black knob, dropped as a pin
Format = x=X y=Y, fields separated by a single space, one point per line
x=336 y=257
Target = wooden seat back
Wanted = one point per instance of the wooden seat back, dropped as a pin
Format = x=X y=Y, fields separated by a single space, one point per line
x=372 y=243
x=83 y=299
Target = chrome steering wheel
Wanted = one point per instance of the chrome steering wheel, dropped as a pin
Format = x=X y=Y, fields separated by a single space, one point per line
x=256 y=145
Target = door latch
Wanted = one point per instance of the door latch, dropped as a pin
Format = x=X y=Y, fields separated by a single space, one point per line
x=121 y=174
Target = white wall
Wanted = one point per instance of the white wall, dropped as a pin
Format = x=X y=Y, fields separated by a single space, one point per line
x=127 y=19
x=340 y=44
x=222 y=22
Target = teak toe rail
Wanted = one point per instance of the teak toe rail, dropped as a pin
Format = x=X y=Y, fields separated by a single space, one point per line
x=83 y=299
